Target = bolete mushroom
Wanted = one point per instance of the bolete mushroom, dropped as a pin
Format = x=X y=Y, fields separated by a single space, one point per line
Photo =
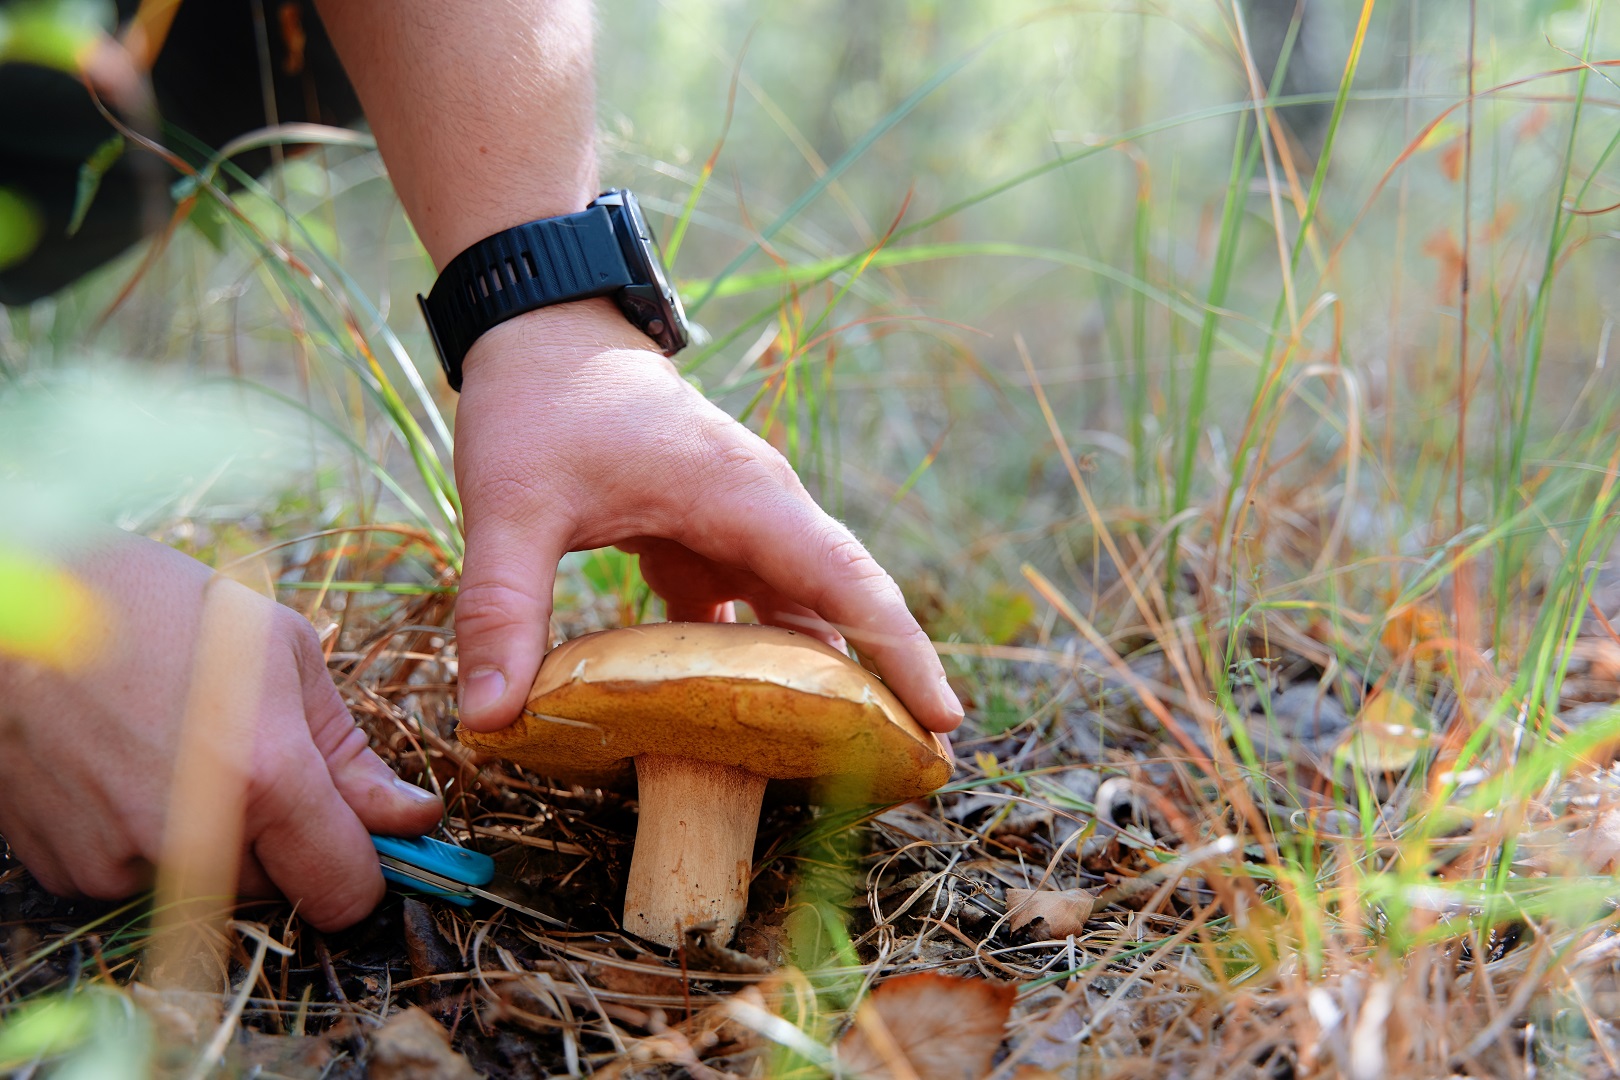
x=709 y=713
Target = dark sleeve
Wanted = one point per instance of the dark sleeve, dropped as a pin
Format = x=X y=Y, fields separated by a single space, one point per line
x=210 y=83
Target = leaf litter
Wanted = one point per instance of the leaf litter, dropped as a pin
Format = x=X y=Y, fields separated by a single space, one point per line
x=1068 y=907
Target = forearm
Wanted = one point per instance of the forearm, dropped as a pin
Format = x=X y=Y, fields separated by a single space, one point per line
x=484 y=110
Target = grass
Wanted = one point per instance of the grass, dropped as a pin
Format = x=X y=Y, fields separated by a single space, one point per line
x=1257 y=483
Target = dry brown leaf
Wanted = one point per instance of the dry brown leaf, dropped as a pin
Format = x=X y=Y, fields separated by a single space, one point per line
x=413 y=1046
x=180 y=1016
x=286 y=1057
x=1420 y=630
x=632 y=981
x=927 y=1026
x=1599 y=843
x=1065 y=912
x=430 y=954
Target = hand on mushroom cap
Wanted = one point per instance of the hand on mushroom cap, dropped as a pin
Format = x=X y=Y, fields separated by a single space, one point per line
x=571 y=434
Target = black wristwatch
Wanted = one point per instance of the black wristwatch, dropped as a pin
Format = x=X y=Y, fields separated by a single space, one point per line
x=606 y=249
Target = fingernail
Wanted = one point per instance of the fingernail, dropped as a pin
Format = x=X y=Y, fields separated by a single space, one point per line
x=414 y=793
x=953 y=707
x=481 y=689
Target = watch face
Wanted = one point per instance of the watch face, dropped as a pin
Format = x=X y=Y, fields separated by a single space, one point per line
x=667 y=325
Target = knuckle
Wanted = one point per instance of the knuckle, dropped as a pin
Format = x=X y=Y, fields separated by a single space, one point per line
x=736 y=455
x=502 y=494
x=352 y=747
x=53 y=881
x=105 y=877
x=849 y=560
x=486 y=608
x=298 y=634
x=279 y=784
x=345 y=905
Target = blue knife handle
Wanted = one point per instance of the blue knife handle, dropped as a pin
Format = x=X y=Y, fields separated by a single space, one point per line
x=444 y=860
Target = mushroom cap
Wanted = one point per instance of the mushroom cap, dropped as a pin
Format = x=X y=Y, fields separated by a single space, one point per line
x=775 y=702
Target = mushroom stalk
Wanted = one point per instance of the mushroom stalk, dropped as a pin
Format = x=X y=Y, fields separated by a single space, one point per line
x=694 y=850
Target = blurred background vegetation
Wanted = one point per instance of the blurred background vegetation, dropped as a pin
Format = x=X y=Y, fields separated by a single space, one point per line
x=1056 y=173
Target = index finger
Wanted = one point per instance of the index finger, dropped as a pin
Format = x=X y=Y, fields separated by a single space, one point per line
x=308 y=840
x=779 y=534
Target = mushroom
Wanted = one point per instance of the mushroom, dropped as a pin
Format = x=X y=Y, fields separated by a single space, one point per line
x=709 y=713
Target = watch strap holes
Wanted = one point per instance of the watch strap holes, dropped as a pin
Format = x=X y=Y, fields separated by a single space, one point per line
x=495 y=278
x=511 y=271
x=472 y=293
x=528 y=264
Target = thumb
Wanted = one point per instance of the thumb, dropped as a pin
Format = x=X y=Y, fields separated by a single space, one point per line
x=503 y=618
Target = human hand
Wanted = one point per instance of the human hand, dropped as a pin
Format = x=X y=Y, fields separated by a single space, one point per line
x=573 y=434
x=87 y=756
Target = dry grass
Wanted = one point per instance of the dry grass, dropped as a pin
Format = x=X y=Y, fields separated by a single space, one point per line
x=1243 y=919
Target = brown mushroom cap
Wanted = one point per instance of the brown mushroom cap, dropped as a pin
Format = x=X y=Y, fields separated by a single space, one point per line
x=775 y=702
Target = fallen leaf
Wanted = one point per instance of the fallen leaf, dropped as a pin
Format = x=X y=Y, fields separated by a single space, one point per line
x=1065 y=912
x=289 y=1057
x=1599 y=843
x=1419 y=629
x=928 y=1026
x=430 y=954
x=181 y=1016
x=631 y=981
x=1004 y=614
x=1050 y=1047
x=704 y=952
x=1389 y=734
x=412 y=1046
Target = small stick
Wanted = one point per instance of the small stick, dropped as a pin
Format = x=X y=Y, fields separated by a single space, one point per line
x=325 y=956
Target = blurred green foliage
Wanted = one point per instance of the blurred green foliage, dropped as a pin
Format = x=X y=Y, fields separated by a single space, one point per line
x=94 y=1034
x=21 y=226
x=52 y=33
x=42 y=610
x=96 y=445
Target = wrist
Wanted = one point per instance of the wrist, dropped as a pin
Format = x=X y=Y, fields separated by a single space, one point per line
x=606 y=250
x=558 y=340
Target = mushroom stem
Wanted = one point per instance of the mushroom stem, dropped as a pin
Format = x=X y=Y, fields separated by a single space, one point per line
x=694 y=847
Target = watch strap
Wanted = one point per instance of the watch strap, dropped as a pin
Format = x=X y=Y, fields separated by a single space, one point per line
x=550 y=261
